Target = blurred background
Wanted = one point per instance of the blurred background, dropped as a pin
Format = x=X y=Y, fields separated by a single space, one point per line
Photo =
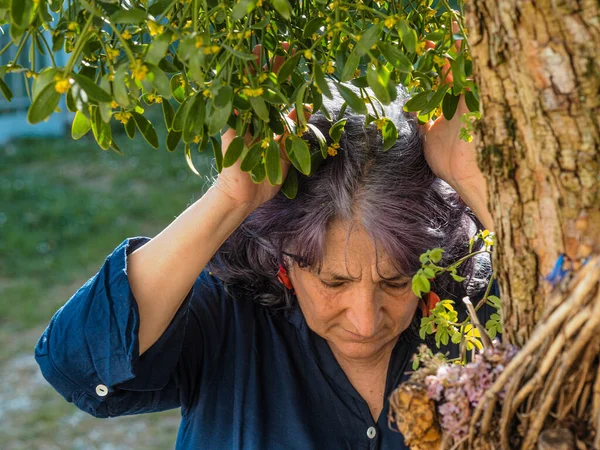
x=64 y=206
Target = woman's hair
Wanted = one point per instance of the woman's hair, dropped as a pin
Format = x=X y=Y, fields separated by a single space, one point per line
x=392 y=194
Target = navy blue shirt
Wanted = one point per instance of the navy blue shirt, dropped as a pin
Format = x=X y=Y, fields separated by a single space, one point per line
x=245 y=377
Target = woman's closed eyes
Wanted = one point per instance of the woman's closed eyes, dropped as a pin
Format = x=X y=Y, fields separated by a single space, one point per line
x=339 y=284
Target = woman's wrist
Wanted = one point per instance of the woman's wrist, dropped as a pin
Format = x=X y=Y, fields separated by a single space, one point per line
x=473 y=191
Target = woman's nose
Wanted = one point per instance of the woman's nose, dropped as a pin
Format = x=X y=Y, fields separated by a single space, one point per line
x=364 y=313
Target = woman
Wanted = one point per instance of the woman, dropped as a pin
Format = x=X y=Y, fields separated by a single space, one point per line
x=300 y=330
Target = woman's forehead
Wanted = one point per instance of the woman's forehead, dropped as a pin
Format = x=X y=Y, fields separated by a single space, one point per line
x=350 y=249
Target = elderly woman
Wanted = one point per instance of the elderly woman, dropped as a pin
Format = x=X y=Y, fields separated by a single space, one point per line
x=276 y=323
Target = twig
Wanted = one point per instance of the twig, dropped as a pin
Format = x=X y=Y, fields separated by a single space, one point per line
x=485 y=337
x=587 y=333
x=549 y=359
x=582 y=376
x=589 y=277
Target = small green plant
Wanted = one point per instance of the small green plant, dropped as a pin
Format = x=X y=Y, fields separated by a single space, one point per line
x=442 y=320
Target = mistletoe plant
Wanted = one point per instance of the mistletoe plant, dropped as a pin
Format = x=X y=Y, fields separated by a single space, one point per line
x=199 y=60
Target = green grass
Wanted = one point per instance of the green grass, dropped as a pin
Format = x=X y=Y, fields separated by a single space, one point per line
x=65 y=205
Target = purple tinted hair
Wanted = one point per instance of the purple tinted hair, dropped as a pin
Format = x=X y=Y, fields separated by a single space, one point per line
x=394 y=195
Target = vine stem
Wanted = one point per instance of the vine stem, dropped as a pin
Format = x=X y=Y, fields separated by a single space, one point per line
x=458 y=21
x=47 y=48
x=124 y=43
x=80 y=41
x=21 y=45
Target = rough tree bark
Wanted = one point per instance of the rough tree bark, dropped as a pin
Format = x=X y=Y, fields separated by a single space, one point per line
x=538 y=66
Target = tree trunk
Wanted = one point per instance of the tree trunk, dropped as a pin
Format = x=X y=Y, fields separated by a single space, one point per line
x=538 y=67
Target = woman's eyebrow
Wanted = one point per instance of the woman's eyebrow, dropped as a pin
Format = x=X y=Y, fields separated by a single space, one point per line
x=339 y=277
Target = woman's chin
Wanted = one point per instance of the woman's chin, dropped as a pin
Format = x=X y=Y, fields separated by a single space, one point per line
x=359 y=350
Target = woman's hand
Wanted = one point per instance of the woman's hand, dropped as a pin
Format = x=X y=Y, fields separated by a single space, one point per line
x=455 y=161
x=451 y=159
x=238 y=185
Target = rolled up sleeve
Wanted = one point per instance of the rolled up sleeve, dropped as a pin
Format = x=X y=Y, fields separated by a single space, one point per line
x=90 y=352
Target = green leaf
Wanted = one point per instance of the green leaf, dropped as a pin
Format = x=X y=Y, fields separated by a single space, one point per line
x=273 y=164
x=173 y=138
x=94 y=91
x=258 y=174
x=81 y=125
x=242 y=8
x=260 y=108
x=100 y=129
x=194 y=118
x=336 y=130
x=224 y=97
x=350 y=66
x=119 y=88
x=458 y=74
x=290 y=185
x=320 y=139
x=21 y=12
x=353 y=100
x=45 y=77
x=436 y=254
x=312 y=27
x=409 y=36
x=133 y=15
x=300 y=104
x=177 y=89
x=449 y=105
x=44 y=104
x=252 y=157
x=321 y=82
x=457 y=277
x=456 y=338
x=234 y=151
x=5 y=90
x=472 y=101
x=283 y=7
x=262 y=23
x=395 y=57
x=158 y=47
x=418 y=102
x=429 y=273
x=435 y=99
x=130 y=128
x=298 y=153
x=146 y=129
x=389 y=133
x=415 y=364
x=494 y=301
x=420 y=284
x=218 y=118
x=368 y=39
x=168 y=114
x=378 y=78
x=287 y=68
x=159 y=80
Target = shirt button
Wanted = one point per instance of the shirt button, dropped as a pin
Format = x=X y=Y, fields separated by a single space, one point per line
x=101 y=390
x=371 y=432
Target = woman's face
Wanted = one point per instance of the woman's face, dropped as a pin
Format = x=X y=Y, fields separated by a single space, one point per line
x=359 y=312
